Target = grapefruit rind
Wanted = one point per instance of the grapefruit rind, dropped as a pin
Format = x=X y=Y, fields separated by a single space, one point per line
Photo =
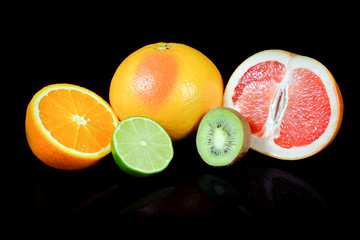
x=196 y=87
x=268 y=147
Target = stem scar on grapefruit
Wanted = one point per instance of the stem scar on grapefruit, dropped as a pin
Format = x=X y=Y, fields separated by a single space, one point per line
x=171 y=83
x=69 y=127
x=292 y=103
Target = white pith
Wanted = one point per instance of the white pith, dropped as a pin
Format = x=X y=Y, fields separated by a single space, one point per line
x=265 y=144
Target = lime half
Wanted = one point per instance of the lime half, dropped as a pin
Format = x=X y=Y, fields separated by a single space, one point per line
x=141 y=147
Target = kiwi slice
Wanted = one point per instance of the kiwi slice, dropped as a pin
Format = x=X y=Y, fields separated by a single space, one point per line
x=223 y=137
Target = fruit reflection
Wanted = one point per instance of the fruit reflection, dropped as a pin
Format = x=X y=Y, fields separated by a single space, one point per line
x=255 y=193
x=275 y=192
x=220 y=190
x=182 y=200
x=262 y=193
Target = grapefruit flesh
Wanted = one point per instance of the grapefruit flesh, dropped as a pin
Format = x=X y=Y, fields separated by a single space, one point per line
x=292 y=103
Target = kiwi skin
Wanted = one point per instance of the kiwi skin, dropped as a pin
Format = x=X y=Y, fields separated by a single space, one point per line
x=246 y=139
x=247 y=136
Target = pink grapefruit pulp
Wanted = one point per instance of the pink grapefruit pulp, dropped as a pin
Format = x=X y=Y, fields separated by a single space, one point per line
x=292 y=103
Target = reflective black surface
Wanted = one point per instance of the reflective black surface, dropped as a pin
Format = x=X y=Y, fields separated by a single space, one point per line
x=83 y=44
x=258 y=188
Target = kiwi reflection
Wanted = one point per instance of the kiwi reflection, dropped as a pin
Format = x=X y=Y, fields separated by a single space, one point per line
x=220 y=191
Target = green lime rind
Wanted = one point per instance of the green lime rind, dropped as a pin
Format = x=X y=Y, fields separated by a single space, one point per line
x=141 y=147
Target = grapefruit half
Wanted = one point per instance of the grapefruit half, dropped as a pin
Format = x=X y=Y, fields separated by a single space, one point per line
x=292 y=103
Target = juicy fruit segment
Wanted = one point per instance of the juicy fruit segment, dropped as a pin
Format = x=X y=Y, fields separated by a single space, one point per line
x=141 y=147
x=76 y=120
x=69 y=127
x=290 y=102
x=255 y=90
x=223 y=137
x=164 y=81
x=307 y=112
x=266 y=98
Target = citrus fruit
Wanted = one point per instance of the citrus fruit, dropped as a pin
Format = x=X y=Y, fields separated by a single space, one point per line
x=292 y=103
x=69 y=127
x=141 y=147
x=171 y=83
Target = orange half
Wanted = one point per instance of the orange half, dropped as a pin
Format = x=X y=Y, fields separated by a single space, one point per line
x=69 y=127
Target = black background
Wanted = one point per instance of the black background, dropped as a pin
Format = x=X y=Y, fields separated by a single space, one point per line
x=83 y=43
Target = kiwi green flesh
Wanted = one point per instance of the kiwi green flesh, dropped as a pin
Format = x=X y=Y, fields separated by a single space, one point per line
x=223 y=137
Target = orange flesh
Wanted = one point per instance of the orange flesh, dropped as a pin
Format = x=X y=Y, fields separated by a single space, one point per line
x=307 y=111
x=155 y=77
x=76 y=120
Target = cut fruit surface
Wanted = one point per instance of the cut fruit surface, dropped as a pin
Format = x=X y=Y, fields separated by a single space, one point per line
x=292 y=103
x=69 y=127
x=141 y=147
x=223 y=137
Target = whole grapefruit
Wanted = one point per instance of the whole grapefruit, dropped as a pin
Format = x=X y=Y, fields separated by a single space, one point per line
x=171 y=83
